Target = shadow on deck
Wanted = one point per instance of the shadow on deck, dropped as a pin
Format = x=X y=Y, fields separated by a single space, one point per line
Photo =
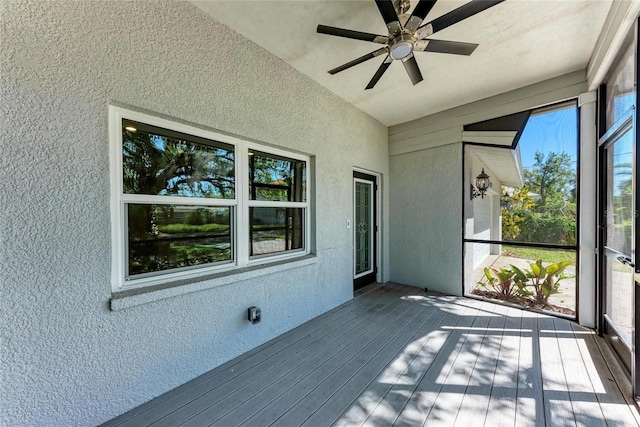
x=396 y=355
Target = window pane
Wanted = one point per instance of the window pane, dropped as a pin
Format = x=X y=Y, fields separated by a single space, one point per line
x=619 y=213
x=276 y=230
x=364 y=227
x=619 y=299
x=621 y=95
x=163 y=237
x=161 y=162
x=276 y=178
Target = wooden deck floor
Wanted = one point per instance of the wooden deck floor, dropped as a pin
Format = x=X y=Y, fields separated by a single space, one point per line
x=396 y=355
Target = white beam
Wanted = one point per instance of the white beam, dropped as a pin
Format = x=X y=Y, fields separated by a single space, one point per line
x=587 y=207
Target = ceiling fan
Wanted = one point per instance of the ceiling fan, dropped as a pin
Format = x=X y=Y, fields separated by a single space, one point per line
x=407 y=35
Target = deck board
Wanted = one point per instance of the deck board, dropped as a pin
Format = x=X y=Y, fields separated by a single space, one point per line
x=374 y=357
x=610 y=397
x=256 y=359
x=396 y=355
x=237 y=399
x=362 y=346
x=417 y=373
x=501 y=411
x=476 y=398
x=529 y=402
x=456 y=375
x=586 y=408
x=557 y=402
x=355 y=375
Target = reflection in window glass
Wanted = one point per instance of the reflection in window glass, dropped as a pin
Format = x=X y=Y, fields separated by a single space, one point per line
x=621 y=95
x=363 y=227
x=276 y=229
x=162 y=237
x=276 y=178
x=619 y=213
x=619 y=280
x=161 y=162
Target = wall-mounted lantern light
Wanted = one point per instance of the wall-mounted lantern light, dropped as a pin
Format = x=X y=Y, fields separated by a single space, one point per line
x=482 y=185
x=505 y=200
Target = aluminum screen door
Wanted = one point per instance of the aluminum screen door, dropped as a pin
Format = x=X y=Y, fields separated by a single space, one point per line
x=364 y=229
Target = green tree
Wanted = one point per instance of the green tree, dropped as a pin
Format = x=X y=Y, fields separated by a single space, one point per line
x=514 y=214
x=551 y=177
x=160 y=165
x=544 y=209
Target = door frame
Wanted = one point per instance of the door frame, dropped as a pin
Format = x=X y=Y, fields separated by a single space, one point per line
x=605 y=138
x=626 y=352
x=378 y=221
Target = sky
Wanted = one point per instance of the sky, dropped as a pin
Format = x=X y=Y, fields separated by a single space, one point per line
x=555 y=131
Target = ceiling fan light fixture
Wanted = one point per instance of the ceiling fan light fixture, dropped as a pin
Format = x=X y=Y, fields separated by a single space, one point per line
x=401 y=50
x=401 y=46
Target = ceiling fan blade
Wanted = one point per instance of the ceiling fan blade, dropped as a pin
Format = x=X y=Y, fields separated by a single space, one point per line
x=350 y=34
x=389 y=15
x=381 y=70
x=421 y=10
x=411 y=66
x=455 y=16
x=445 y=46
x=360 y=60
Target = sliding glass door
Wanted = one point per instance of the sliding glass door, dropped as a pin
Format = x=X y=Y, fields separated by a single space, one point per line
x=617 y=156
x=618 y=222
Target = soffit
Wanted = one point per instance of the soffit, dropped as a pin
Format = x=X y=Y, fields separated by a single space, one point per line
x=505 y=163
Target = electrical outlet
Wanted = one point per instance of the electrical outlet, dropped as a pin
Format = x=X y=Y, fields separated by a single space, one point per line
x=254 y=315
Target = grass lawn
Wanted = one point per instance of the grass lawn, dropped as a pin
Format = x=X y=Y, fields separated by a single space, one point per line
x=191 y=228
x=546 y=255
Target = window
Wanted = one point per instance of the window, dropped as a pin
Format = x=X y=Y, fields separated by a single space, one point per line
x=277 y=195
x=620 y=84
x=188 y=202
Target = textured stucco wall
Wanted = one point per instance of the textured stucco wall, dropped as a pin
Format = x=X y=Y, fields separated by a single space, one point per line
x=425 y=225
x=65 y=358
x=482 y=218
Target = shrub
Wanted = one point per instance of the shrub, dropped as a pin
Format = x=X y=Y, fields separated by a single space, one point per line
x=545 y=281
x=502 y=283
x=537 y=283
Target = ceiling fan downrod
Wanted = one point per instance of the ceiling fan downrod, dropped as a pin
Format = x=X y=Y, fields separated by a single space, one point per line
x=401 y=6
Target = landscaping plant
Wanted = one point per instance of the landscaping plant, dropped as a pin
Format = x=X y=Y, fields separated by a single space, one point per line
x=537 y=283
x=545 y=281
x=502 y=283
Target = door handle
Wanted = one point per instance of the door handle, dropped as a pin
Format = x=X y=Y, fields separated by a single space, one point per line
x=626 y=261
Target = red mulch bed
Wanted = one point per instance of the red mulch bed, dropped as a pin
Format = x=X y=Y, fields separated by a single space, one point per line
x=525 y=302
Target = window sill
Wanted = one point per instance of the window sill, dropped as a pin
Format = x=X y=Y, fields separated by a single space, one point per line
x=133 y=297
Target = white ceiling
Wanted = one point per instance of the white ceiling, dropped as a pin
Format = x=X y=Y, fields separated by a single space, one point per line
x=521 y=42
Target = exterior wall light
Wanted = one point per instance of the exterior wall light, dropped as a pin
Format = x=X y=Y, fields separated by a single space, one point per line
x=482 y=185
x=505 y=200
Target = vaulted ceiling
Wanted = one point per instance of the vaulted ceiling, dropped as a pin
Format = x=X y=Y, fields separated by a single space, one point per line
x=520 y=42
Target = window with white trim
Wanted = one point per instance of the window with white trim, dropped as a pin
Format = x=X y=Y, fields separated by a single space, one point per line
x=187 y=202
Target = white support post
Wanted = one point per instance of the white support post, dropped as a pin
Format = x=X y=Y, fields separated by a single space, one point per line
x=588 y=204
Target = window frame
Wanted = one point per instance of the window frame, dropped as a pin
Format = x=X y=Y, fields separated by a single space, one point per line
x=256 y=259
x=239 y=205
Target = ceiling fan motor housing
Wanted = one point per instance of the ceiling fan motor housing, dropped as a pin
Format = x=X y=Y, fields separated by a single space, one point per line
x=401 y=46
